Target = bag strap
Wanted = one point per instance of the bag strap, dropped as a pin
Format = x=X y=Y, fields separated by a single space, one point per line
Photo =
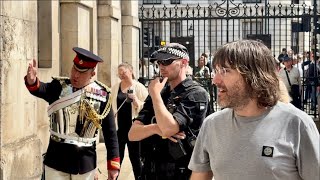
x=287 y=76
x=116 y=113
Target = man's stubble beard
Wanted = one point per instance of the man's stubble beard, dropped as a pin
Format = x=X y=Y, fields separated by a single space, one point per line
x=237 y=96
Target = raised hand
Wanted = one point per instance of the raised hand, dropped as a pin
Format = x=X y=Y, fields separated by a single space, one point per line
x=32 y=72
x=156 y=85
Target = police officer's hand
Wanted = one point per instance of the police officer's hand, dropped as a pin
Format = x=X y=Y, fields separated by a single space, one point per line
x=32 y=72
x=113 y=174
x=156 y=85
x=179 y=135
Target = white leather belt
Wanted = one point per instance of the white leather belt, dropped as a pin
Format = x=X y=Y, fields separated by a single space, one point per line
x=79 y=141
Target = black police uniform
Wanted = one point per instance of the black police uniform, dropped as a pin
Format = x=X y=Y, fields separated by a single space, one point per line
x=188 y=103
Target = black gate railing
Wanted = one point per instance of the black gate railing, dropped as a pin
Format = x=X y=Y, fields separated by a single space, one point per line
x=203 y=28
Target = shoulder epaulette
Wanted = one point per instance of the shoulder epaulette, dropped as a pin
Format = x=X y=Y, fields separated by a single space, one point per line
x=62 y=80
x=104 y=86
x=59 y=78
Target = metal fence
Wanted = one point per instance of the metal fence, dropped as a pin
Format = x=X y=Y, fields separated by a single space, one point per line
x=203 y=28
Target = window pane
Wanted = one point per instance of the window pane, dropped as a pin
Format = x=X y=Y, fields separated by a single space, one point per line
x=175 y=28
x=154 y=30
x=252 y=1
x=251 y=28
x=151 y=1
x=295 y=1
x=175 y=1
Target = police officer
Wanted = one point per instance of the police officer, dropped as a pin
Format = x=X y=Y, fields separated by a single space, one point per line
x=172 y=114
x=78 y=108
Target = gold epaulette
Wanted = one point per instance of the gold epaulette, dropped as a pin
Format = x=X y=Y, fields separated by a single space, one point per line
x=62 y=80
x=59 y=78
x=108 y=90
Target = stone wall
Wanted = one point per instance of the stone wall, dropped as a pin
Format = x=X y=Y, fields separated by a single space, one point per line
x=48 y=36
x=20 y=146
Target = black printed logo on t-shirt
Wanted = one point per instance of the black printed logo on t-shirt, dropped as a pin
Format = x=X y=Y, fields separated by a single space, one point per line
x=267 y=151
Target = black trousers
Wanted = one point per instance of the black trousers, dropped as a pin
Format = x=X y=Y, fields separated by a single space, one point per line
x=133 y=149
x=164 y=171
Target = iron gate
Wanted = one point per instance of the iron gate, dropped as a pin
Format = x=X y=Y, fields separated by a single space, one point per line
x=203 y=28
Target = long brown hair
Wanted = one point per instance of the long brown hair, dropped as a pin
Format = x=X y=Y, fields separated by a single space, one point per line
x=255 y=63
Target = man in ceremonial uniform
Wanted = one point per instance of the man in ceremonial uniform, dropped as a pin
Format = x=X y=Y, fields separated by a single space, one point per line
x=78 y=108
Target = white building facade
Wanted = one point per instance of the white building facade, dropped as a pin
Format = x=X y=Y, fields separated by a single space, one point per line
x=203 y=26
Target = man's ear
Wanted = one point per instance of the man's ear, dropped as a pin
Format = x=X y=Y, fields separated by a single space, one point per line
x=185 y=62
x=93 y=73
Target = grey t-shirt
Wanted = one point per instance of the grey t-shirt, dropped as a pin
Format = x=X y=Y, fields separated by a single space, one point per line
x=281 y=144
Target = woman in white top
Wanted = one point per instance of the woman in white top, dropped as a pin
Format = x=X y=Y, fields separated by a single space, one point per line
x=128 y=97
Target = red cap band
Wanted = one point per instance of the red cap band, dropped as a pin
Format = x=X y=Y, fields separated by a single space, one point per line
x=84 y=64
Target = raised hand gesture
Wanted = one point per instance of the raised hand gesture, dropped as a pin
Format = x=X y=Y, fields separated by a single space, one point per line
x=32 y=72
x=156 y=85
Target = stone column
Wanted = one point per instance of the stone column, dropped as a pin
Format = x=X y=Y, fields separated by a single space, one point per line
x=78 y=27
x=19 y=144
x=130 y=31
x=109 y=40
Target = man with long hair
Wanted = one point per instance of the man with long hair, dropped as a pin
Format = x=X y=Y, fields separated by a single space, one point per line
x=255 y=136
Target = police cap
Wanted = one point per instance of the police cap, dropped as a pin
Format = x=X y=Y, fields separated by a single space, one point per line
x=170 y=51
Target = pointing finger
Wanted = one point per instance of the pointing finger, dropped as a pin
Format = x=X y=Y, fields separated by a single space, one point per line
x=34 y=63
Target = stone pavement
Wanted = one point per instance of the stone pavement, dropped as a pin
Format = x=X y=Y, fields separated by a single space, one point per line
x=126 y=169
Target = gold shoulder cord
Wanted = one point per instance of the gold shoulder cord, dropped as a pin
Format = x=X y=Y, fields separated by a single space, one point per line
x=108 y=105
x=103 y=85
x=59 y=78
x=86 y=110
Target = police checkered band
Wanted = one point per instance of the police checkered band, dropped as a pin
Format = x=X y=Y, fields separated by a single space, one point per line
x=171 y=51
x=174 y=51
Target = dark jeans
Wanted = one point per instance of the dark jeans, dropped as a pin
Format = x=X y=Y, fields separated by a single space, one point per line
x=313 y=96
x=307 y=93
x=311 y=92
x=133 y=149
